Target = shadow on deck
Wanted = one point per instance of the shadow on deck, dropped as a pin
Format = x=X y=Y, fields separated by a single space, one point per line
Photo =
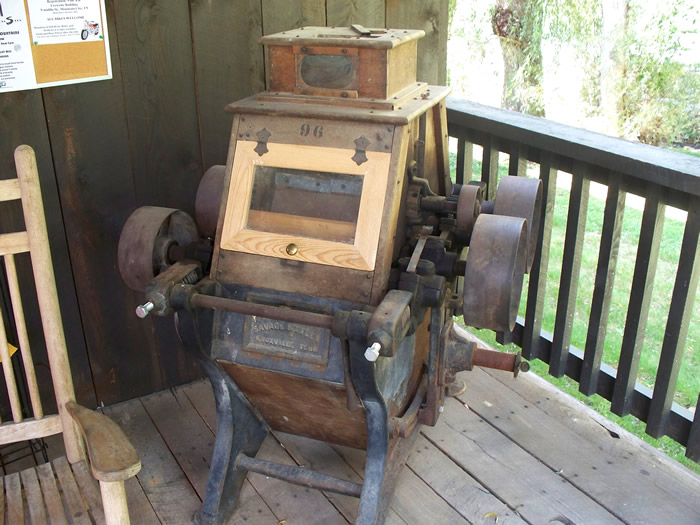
x=517 y=450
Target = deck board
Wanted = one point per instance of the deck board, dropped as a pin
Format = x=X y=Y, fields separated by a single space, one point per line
x=172 y=496
x=465 y=494
x=593 y=469
x=536 y=492
x=288 y=503
x=479 y=462
x=191 y=442
x=607 y=437
x=488 y=457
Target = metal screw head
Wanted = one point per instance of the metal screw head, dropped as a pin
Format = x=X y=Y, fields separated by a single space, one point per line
x=292 y=249
x=372 y=353
x=524 y=366
x=143 y=310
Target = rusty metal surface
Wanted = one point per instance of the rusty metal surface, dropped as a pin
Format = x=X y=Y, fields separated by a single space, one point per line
x=405 y=425
x=521 y=197
x=468 y=207
x=208 y=200
x=493 y=277
x=283 y=345
x=457 y=350
x=299 y=476
x=418 y=250
x=496 y=360
x=262 y=310
x=145 y=239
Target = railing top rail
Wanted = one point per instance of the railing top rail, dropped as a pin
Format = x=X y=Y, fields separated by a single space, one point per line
x=659 y=166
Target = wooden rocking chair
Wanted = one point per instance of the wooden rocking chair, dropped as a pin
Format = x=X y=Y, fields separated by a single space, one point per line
x=62 y=491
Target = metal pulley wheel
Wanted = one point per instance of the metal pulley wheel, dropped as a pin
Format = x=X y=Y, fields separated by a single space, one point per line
x=494 y=272
x=468 y=207
x=146 y=237
x=208 y=200
x=522 y=197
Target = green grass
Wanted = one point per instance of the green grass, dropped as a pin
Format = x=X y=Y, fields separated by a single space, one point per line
x=695 y=153
x=689 y=375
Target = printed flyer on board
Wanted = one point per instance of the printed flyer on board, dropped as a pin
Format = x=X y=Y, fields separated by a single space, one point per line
x=40 y=43
x=16 y=64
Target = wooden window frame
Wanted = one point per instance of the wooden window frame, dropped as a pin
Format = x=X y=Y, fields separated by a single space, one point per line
x=361 y=255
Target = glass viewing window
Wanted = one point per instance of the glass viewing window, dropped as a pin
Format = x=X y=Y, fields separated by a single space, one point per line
x=306 y=203
x=314 y=204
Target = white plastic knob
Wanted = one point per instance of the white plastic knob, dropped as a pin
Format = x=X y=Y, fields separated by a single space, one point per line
x=143 y=310
x=372 y=353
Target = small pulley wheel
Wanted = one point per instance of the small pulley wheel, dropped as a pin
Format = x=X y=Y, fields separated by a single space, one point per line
x=468 y=207
x=522 y=197
x=493 y=276
x=208 y=199
x=146 y=237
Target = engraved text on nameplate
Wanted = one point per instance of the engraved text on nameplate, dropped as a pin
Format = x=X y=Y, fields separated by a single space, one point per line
x=286 y=340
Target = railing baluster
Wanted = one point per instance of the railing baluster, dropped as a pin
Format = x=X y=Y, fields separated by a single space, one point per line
x=517 y=164
x=669 y=179
x=692 y=450
x=459 y=171
x=570 y=266
x=538 y=273
x=679 y=315
x=640 y=297
x=465 y=160
x=489 y=167
x=602 y=290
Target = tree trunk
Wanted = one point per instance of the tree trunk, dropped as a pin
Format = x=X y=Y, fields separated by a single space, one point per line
x=612 y=65
x=518 y=24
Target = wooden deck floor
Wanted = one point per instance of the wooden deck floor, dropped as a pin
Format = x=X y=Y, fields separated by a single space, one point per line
x=516 y=450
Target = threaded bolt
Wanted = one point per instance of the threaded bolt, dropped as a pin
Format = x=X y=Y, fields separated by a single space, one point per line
x=143 y=310
x=372 y=353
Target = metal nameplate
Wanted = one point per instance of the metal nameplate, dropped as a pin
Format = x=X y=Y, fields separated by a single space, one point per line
x=281 y=339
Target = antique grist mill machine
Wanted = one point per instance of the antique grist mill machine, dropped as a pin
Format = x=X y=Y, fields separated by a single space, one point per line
x=328 y=258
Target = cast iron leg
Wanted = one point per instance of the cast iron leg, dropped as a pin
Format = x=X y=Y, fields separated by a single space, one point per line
x=239 y=428
x=374 y=500
x=385 y=457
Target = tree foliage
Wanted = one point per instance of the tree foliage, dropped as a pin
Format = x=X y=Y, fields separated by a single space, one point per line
x=658 y=95
x=521 y=26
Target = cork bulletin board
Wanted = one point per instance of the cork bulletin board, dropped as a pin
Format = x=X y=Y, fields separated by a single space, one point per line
x=46 y=43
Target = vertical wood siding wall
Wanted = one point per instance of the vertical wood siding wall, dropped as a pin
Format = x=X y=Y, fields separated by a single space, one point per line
x=146 y=137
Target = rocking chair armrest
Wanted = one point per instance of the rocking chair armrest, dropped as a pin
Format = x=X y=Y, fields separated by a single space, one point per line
x=112 y=456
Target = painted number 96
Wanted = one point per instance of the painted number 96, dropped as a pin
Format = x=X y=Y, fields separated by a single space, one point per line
x=306 y=129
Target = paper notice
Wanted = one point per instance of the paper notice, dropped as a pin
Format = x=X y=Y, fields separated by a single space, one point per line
x=65 y=21
x=16 y=66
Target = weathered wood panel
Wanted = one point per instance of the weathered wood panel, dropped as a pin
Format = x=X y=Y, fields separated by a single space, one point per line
x=369 y=13
x=154 y=46
x=155 y=50
x=281 y=16
x=431 y=17
x=93 y=170
x=229 y=66
x=24 y=123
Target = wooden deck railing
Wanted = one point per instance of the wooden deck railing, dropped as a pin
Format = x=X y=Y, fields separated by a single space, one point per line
x=662 y=178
